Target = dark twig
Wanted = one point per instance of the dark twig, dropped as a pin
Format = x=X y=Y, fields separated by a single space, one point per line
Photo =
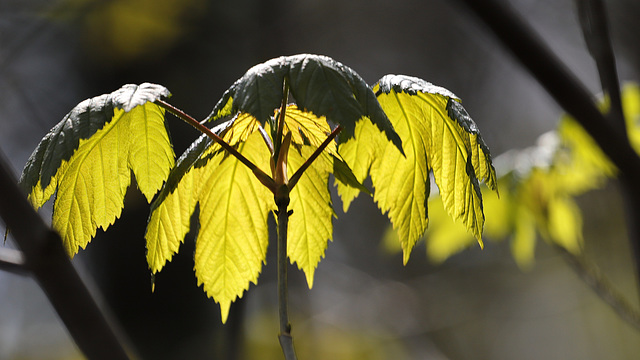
x=46 y=259
x=593 y=277
x=593 y=20
x=565 y=88
x=12 y=261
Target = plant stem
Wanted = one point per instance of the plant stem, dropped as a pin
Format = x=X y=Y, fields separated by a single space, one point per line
x=286 y=340
x=265 y=179
x=281 y=197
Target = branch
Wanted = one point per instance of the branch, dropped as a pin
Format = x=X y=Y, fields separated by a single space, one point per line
x=593 y=20
x=565 y=88
x=593 y=277
x=46 y=259
x=554 y=76
x=12 y=261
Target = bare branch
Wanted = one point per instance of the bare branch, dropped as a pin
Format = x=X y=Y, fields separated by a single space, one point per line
x=593 y=277
x=46 y=259
x=12 y=261
x=593 y=20
x=571 y=94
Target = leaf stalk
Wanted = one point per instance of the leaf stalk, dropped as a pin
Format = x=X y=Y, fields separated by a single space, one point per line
x=263 y=177
x=296 y=176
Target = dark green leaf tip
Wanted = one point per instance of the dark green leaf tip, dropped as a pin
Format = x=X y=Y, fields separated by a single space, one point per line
x=131 y=95
x=411 y=85
x=82 y=122
x=319 y=84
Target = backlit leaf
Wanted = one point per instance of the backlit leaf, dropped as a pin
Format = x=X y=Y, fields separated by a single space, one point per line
x=232 y=238
x=631 y=109
x=438 y=136
x=310 y=226
x=358 y=153
x=319 y=85
x=89 y=155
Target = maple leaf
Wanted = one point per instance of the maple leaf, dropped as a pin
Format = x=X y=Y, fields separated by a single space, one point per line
x=88 y=158
x=438 y=136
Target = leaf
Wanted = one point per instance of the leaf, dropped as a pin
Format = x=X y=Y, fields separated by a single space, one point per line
x=524 y=239
x=444 y=237
x=310 y=224
x=170 y=214
x=582 y=166
x=308 y=129
x=631 y=109
x=89 y=155
x=233 y=236
x=358 y=154
x=439 y=136
x=319 y=84
x=343 y=173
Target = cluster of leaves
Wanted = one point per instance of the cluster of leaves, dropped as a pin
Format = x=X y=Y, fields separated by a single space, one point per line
x=397 y=132
x=538 y=186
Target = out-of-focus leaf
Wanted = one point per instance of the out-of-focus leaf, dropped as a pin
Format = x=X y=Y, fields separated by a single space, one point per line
x=445 y=237
x=523 y=243
x=631 y=109
x=119 y=31
x=581 y=164
x=88 y=158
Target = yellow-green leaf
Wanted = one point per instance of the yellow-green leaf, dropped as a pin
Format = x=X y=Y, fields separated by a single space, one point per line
x=310 y=226
x=358 y=152
x=445 y=237
x=523 y=244
x=631 y=109
x=319 y=85
x=439 y=136
x=171 y=212
x=308 y=129
x=232 y=238
x=88 y=158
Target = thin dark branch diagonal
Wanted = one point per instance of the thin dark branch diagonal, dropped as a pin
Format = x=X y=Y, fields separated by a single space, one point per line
x=571 y=94
x=47 y=261
x=12 y=261
x=593 y=277
x=593 y=20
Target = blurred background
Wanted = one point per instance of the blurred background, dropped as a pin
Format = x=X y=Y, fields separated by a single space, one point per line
x=365 y=304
